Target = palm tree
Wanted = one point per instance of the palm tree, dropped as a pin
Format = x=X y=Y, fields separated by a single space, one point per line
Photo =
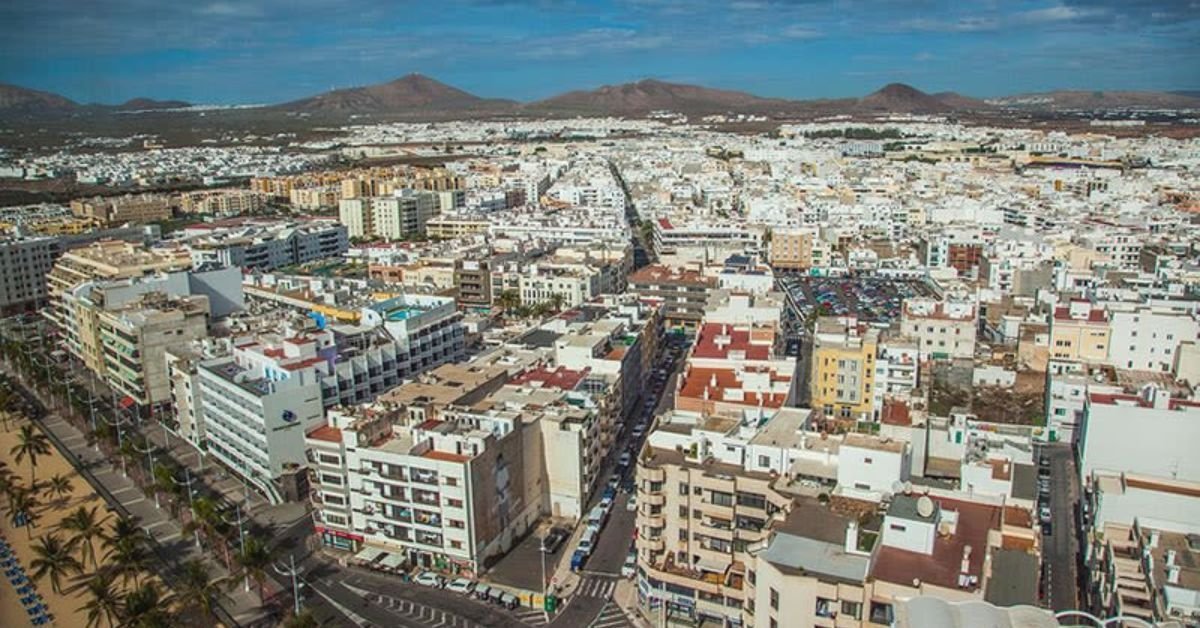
x=145 y=607
x=303 y=620
x=557 y=301
x=128 y=557
x=509 y=299
x=255 y=559
x=197 y=589
x=86 y=528
x=58 y=486
x=30 y=444
x=23 y=500
x=104 y=602
x=52 y=557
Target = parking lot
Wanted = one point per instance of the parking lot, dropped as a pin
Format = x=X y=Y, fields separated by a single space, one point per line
x=871 y=299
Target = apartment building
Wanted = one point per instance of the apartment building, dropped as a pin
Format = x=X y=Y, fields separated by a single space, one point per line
x=265 y=244
x=1080 y=331
x=796 y=249
x=24 y=264
x=1146 y=337
x=449 y=227
x=843 y=368
x=135 y=337
x=942 y=329
x=683 y=294
x=222 y=202
x=1147 y=570
x=473 y=283
x=115 y=210
x=447 y=492
x=106 y=260
x=1112 y=421
x=897 y=371
x=403 y=215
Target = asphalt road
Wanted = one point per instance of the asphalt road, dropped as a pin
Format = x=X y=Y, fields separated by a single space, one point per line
x=1061 y=548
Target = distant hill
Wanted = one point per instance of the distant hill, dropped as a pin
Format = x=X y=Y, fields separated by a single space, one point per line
x=901 y=98
x=962 y=103
x=144 y=104
x=24 y=101
x=1078 y=99
x=653 y=95
x=411 y=93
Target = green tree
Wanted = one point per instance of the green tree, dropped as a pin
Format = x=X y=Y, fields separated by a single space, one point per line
x=31 y=443
x=57 y=487
x=556 y=302
x=103 y=604
x=146 y=607
x=304 y=620
x=255 y=560
x=509 y=300
x=53 y=558
x=85 y=527
x=126 y=550
x=199 y=590
x=23 y=500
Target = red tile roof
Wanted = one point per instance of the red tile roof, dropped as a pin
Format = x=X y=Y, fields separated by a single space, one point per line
x=732 y=339
x=665 y=224
x=326 y=433
x=561 y=378
x=942 y=567
x=895 y=413
x=718 y=381
x=1094 y=315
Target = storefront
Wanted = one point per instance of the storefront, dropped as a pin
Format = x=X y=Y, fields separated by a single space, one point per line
x=336 y=539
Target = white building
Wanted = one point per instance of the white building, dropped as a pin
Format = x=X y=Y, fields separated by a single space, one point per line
x=1149 y=433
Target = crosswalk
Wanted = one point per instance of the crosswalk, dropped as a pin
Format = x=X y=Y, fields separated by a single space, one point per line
x=611 y=616
x=531 y=616
x=420 y=613
x=597 y=586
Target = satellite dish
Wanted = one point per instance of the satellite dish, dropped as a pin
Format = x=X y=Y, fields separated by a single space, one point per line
x=925 y=506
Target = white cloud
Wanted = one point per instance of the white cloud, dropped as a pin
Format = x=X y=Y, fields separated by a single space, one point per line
x=799 y=31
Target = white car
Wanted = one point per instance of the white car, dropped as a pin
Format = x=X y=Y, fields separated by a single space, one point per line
x=625 y=459
x=461 y=585
x=637 y=432
x=629 y=569
x=1045 y=513
x=430 y=579
x=631 y=505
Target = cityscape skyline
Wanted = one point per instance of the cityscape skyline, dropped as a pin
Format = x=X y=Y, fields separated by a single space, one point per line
x=266 y=51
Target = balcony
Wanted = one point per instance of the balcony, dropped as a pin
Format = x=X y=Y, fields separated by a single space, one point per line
x=650 y=544
x=653 y=499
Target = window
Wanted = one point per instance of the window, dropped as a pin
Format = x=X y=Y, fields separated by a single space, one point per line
x=454 y=503
x=683 y=512
x=451 y=481
x=327 y=478
x=853 y=609
x=330 y=459
x=867 y=460
x=683 y=535
x=752 y=500
x=764 y=461
x=455 y=523
x=774 y=599
x=825 y=607
x=897 y=527
x=881 y=613
x=334 y=499
x=721 y=499
x=683 y=488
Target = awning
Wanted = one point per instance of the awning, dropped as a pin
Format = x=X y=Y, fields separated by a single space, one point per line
x=392 y=561
x=369 y=554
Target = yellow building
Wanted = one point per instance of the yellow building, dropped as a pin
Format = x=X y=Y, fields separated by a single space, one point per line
x=454 y=227
x=1080 y=332
x=792 y=249
x=843 y=367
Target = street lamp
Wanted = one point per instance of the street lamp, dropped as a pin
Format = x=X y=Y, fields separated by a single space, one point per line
x=149 y=451
x=117 y=422
x=542 y=551
x=292 y=572
x=187 y=481
x=241 y=535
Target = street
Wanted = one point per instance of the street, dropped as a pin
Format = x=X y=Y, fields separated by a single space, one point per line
x=1059 y=555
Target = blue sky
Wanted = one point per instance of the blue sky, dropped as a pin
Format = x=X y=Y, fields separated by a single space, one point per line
x=252 y=51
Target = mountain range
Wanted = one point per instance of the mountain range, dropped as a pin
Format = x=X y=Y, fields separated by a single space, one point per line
x=416 y=95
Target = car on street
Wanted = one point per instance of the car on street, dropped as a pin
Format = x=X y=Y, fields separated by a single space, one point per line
x=578 y=559
x=629 y=569
x=481 y=591
x=588 y=541
x=637 y=432
x=631 y=505
x=1046 y=528
x=1044 y=514
x=430 y=579
x=461 y=585
x=625 y=459
x=554 y=539
x=1045 y=461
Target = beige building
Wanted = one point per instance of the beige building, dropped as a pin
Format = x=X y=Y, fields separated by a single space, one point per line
x=135 y=339
x=107 y=260
x=1080 y=332
x=447 y=228
x=122 y=209
x=222 y=202
x=796 y=249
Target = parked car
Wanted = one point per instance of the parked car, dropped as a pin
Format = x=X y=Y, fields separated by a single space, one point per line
x=496 y=595
x=1046 y=528
x=1045 y=461
x=481 y=591
x=637 y=432
x=588 y=542
x=509 y=601
x=554 y=539
x=631 y=505
x=629 y=569
x=625 y=459
x=578 y=559
x=430 y=579
x=461 y=585
x=1044 y=514
x=598 y=516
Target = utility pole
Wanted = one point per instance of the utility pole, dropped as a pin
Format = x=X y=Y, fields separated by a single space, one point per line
x=149 y=451
x=187 y=481
x=241 y=536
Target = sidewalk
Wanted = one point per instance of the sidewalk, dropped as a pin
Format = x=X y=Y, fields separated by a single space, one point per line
x=167 y=533
x=626 y=597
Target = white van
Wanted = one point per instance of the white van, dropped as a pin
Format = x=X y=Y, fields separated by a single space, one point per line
x=588 y=542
